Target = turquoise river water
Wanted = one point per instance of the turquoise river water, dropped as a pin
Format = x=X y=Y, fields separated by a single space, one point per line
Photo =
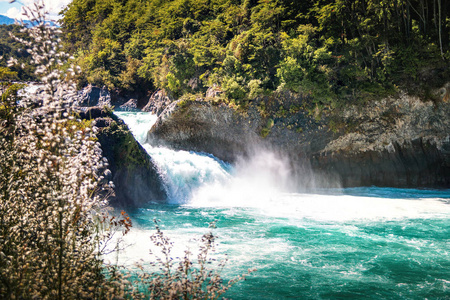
x=354 y=243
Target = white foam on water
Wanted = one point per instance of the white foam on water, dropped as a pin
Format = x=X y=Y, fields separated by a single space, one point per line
x=262 y=178
x=323 y=207
x=137 y=247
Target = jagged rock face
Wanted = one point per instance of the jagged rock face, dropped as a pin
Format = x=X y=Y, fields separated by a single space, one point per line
x=401 y=142
x=134 y=175
x=202 y=127
x=130 y=105
x=213 y=91
x=90 y=96
x=93 y=96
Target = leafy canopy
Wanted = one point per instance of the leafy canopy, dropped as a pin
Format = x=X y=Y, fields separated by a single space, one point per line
x=329 y=51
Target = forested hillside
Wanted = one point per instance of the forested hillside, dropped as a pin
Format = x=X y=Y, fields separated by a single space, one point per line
x=331 y=52
x=12 y=49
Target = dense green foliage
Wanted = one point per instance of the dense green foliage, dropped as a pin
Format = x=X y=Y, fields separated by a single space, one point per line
x=329 y=51
x=11 y=48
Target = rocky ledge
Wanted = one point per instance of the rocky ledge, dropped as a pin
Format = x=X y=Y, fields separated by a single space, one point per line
x=203 y=127
x=396 y=142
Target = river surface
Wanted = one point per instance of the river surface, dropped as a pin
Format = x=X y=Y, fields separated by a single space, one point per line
x=354 y=243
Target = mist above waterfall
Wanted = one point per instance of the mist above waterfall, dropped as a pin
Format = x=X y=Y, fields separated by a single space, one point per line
x=266 y=168
x=267 y=182
x=262 y=177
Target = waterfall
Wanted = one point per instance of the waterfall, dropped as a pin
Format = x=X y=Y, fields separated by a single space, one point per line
x=265 y=182
x=202 y=179
x=183 y=172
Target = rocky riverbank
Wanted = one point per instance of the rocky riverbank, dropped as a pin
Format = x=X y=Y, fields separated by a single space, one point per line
x=399 y=141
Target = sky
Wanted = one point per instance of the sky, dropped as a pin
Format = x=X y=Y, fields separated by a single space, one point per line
x=14 y=10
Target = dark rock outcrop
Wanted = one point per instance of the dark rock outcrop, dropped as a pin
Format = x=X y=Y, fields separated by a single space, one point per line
x=92 y=113
x=136 y=179
x=419 y=163
x=134 y=175
x=158 y=102
x=401 y=142
x=130 y=105
x=93 y=96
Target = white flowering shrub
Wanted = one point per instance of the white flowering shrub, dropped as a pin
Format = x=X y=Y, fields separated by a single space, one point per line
x=193 y=276
x=52 y=189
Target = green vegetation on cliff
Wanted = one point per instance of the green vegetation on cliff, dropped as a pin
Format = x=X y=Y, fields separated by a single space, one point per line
x=331 y=52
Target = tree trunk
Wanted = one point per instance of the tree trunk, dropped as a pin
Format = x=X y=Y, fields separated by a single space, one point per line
x=406 y=20
x=445 y=28
x=440 y=27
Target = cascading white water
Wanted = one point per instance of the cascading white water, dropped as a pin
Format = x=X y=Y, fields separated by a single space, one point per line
x=200 y=179
x=341 y=243
x=183 y=172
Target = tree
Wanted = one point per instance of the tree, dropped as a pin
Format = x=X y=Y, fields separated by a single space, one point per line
x=365 y=46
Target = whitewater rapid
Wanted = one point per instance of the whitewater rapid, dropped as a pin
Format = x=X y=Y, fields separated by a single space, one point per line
x=264 y=183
